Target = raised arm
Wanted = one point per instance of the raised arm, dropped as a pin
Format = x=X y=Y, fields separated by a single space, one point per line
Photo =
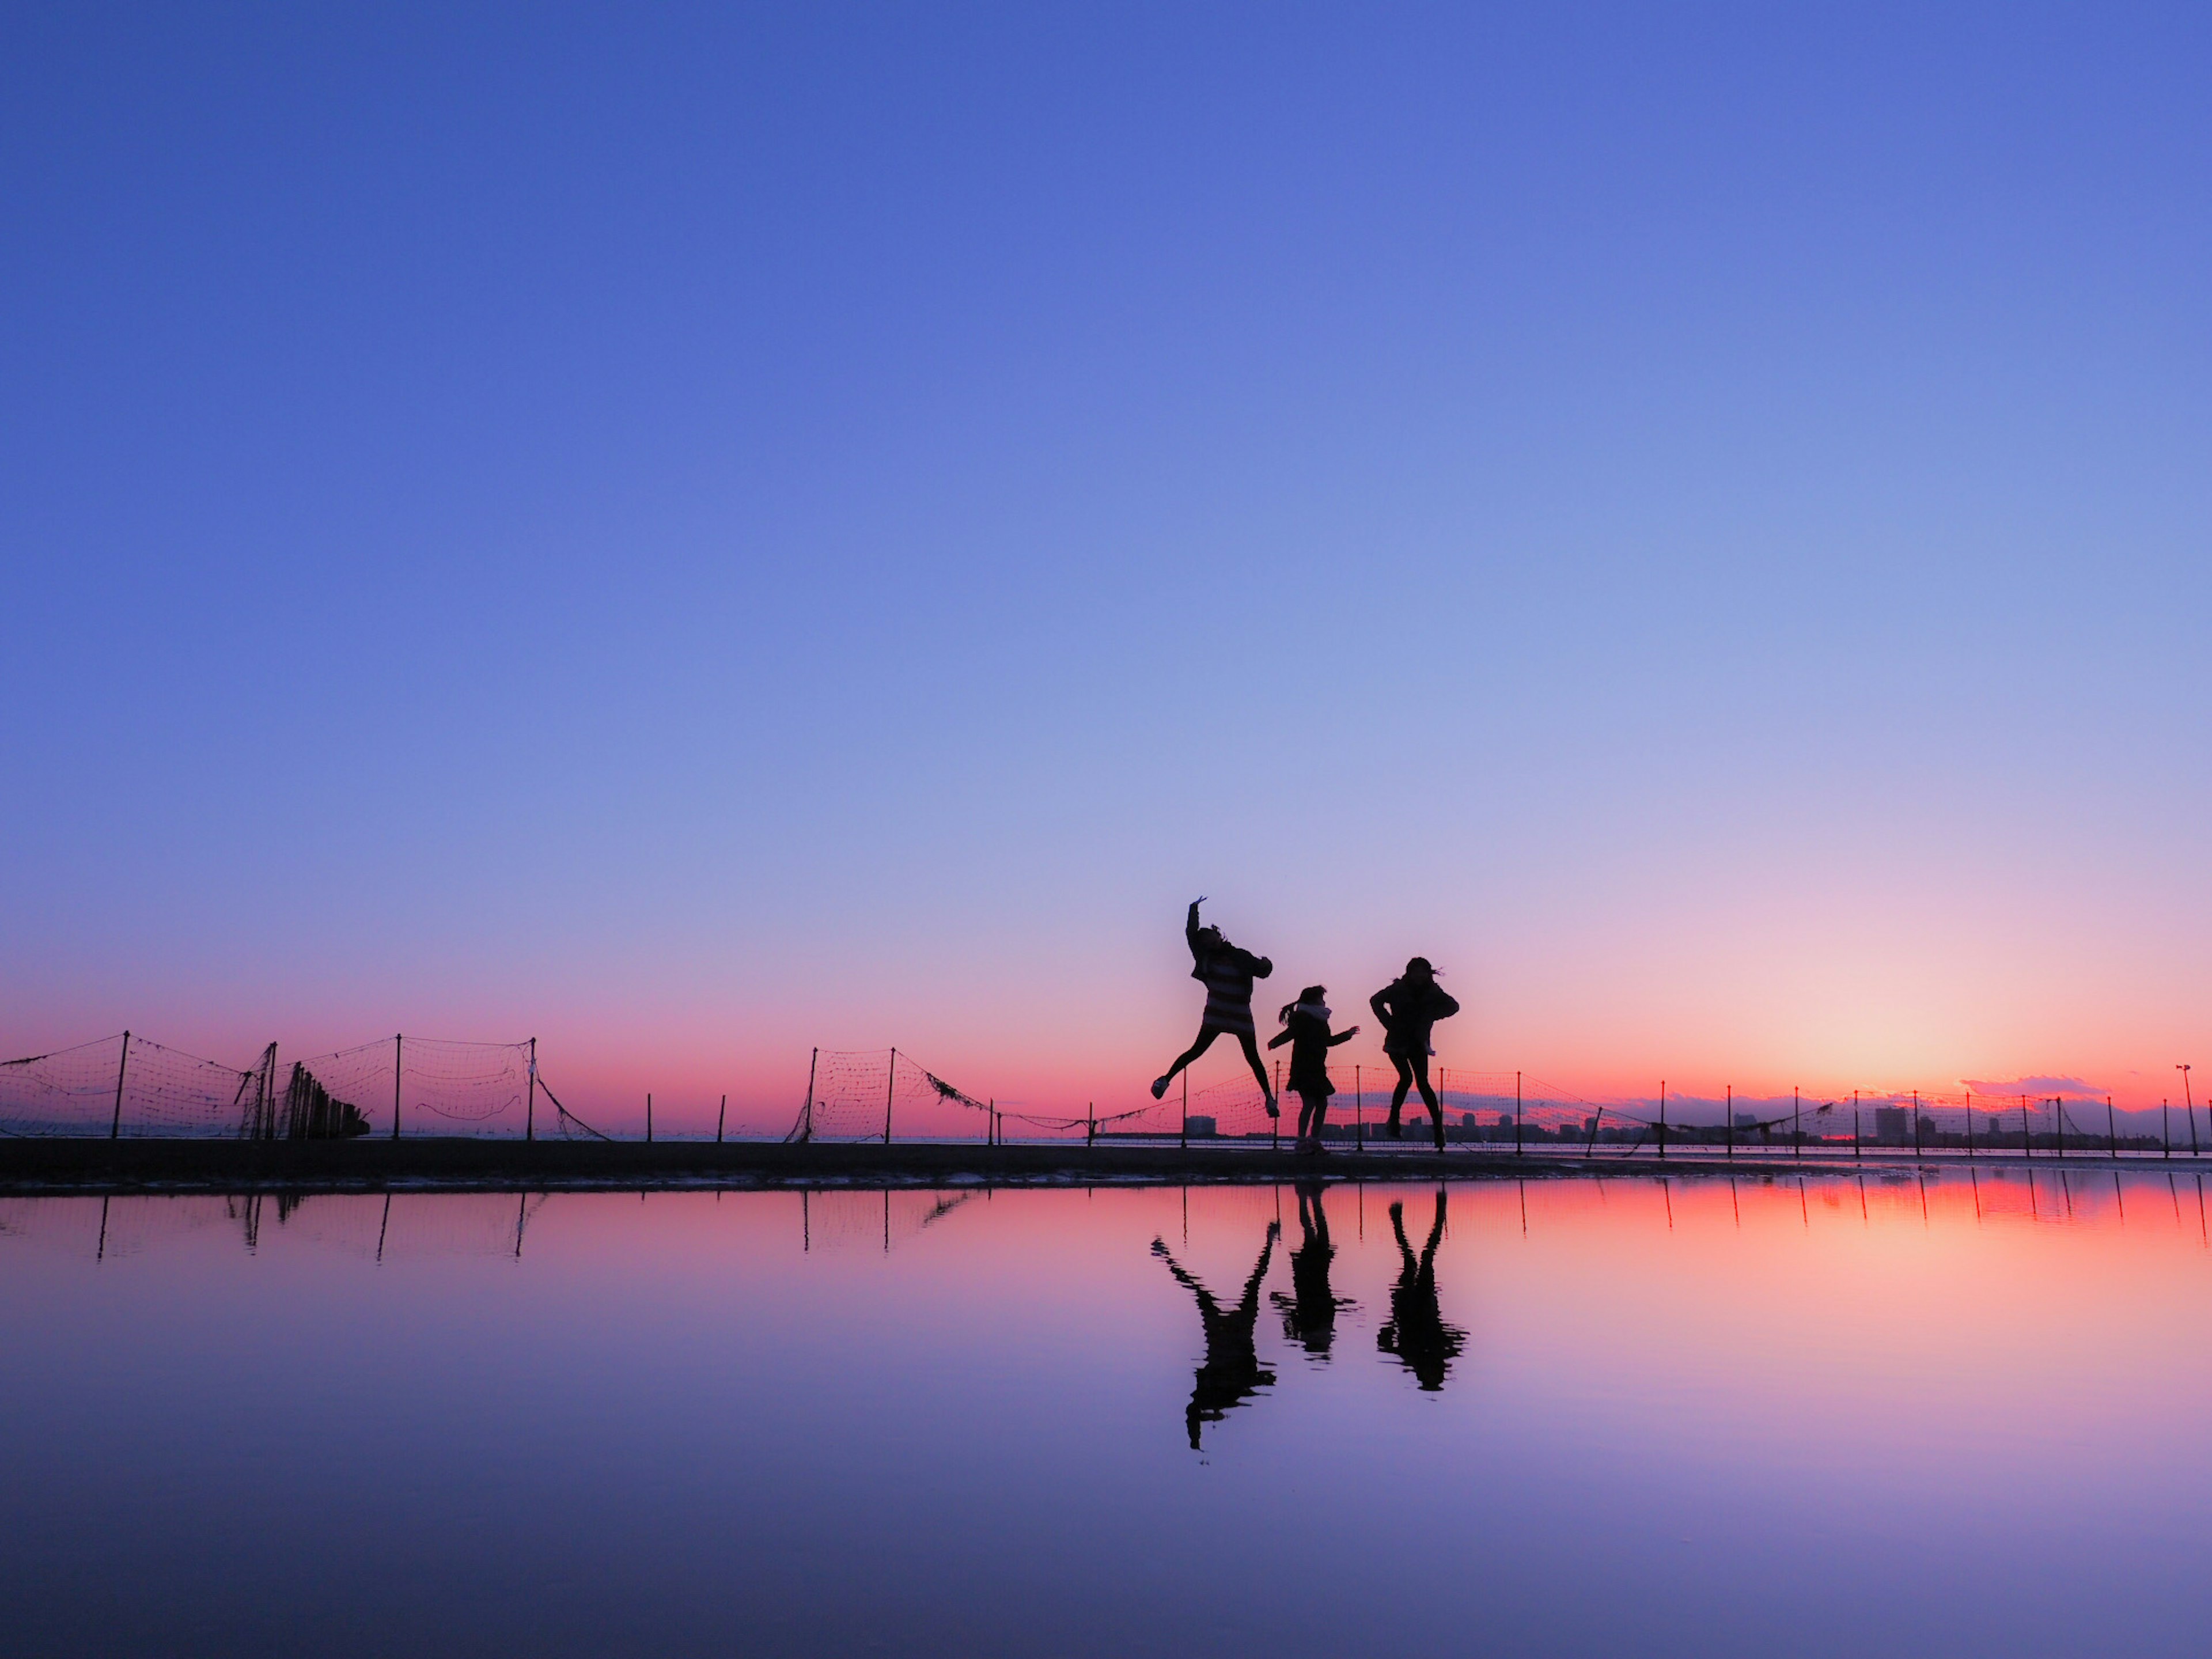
x=1279 y=1038
x=1190 y=925
x=1341 y=1038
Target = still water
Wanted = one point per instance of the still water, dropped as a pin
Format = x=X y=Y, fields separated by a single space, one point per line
x=1958 y=1417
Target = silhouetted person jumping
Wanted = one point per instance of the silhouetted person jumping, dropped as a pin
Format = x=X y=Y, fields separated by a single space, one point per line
x=1305 y=1028
x=1417 y=1333
x=1409 y=1006
x=1232 y=1370
x=1309 y=1312
x=1227 y=974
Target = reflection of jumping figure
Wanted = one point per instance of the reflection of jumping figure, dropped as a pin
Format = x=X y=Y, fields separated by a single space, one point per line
x=1417 y=1333
x=1227 y=973
x=1309 y=1312
x=1409 y=1006
x=1232 y=1370
x=1305 y=1028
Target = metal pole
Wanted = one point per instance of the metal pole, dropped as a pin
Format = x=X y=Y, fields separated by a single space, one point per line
x=1663 y=1117
x=1358 y=1110
x=1970 y=1123
x=1916 y=1123
x=890 y=1084
x=1855 y=1124
x=721 y=1117
x=648 y=1117
x=1186 y=1110
x=1590 y=1149
x=398 y=1069
x=807 y=1133
x=2058 y=1121
x=2027 y=1133
x=2189 y=1107
x=530 y=1112
x=1516 y=1115
x=2112 y=1128
x=1796 y=1125
x=1730 y=1109
x=1091 y=1123
x=115 y=1123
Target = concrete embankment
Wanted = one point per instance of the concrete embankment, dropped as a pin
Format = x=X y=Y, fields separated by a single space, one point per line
x=29 y=1166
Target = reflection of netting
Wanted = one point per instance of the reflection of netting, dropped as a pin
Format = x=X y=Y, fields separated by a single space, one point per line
x=851 y=1220
x=163 y=1092
x=481 y=1087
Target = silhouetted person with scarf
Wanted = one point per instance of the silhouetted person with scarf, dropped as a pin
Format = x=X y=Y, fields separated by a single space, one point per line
x=1305 y=1028
x=1409 y=1006
x=1227 y=974
x=1232 y=1370
x=1417 y=1333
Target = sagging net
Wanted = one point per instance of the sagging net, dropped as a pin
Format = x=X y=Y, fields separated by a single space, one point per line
x=129 y=1087
x=442 y=1087
x=867 y=1094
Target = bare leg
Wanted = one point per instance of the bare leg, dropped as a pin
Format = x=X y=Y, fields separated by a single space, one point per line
x=1206 y=1036
x=1259 y=1069
x=1398 y=1095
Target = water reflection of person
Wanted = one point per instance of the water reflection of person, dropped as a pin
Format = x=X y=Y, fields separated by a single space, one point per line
x=1310 y=1311
x=1417 y=1333
x=1231 y=1369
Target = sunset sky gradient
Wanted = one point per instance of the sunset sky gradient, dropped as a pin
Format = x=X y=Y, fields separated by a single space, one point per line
x=697 y=535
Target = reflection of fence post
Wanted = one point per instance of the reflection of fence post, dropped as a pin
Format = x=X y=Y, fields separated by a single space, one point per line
x=398 y=1069
x=115 y=1123
x=530 y=1115
x=1517 y=1113
x=890 y=1085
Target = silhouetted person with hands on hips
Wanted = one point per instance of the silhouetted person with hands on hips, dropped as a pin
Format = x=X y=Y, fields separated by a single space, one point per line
x=1231 y=1369
x=1305 y=1028
x=1417 y=1333
x=1227 y=974
x=1409 y=1006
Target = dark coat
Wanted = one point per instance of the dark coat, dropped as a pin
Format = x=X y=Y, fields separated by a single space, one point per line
x=1309 y=1043
x=1409 y=1010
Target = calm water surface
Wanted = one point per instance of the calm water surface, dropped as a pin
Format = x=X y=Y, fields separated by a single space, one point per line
x=1963 y=1417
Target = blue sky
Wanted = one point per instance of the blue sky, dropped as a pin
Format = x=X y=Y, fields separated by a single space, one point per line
x=701 y=534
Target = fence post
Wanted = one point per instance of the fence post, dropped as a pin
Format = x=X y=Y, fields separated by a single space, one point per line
x=2165 y=1127
x=1358 y=1109
x=2026 y=1132
x=1916 y=1123
x=1970 y=1123
x=398 y=1069
x=806 y=1134
x=1729 y=1108
x=1091 y=1123
x=1517 y=1113
x=2058 y=1121
x=1855 y=1124
x=1590 y=1150
x=721 y=1116
x=648 y=1117
x=1663 y=1117
x=2112 y=1128
x=1796 y=1125
x=890 y=1085
x=530 y=1115
x=1184 y=1139
x=115 y=1123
